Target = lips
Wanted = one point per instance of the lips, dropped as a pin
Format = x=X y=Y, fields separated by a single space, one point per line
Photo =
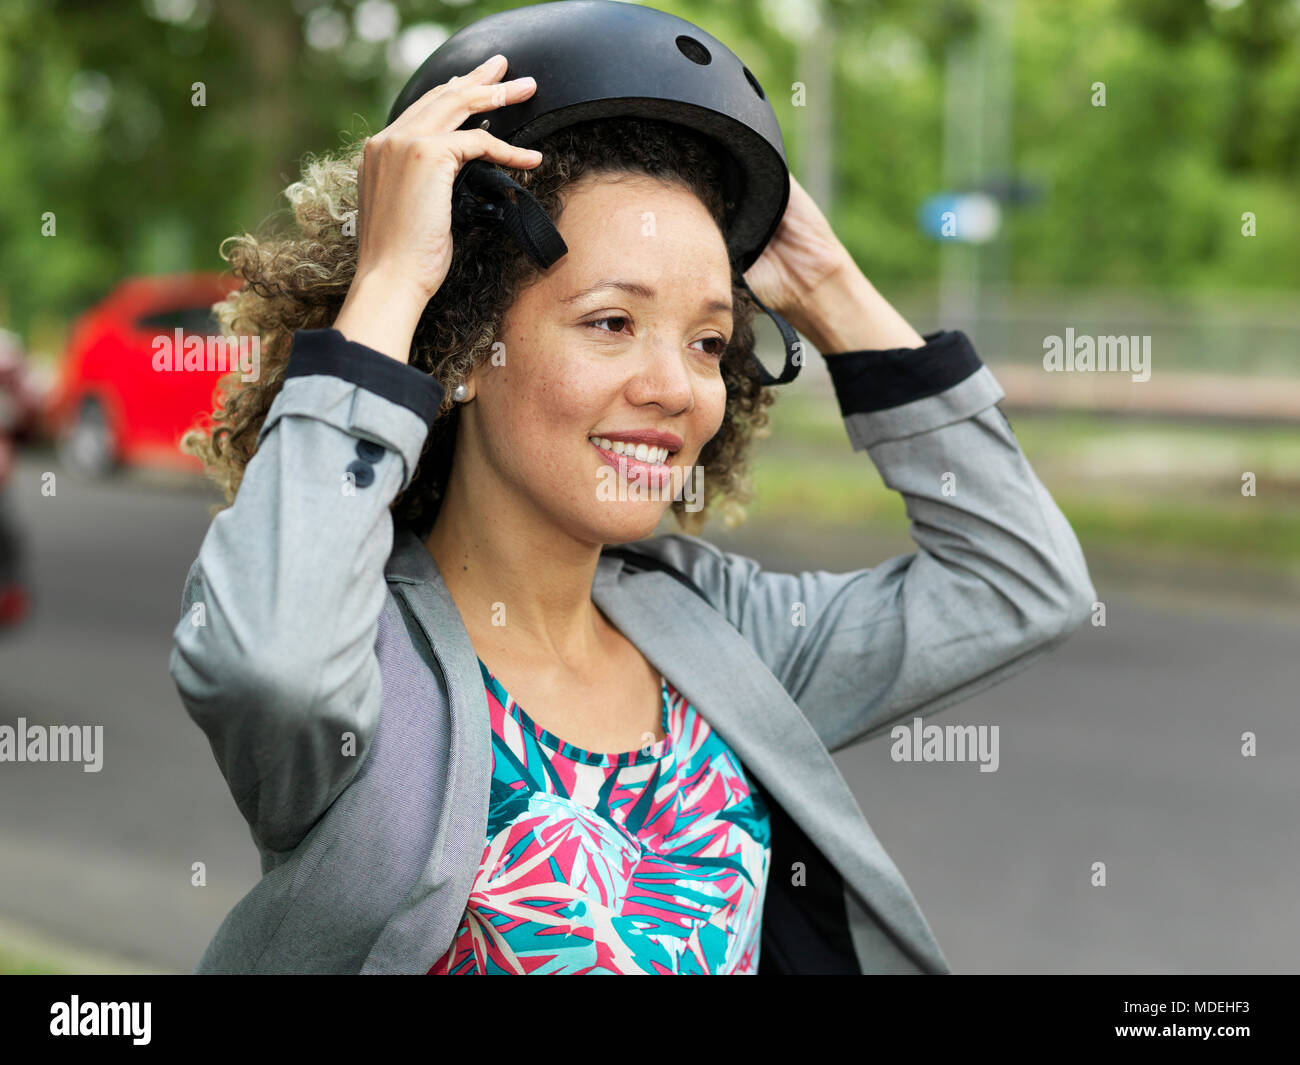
x=653 y=454
x=649 y=437
x=654 y=476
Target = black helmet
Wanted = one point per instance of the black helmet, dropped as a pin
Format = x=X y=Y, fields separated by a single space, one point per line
x=606 y=59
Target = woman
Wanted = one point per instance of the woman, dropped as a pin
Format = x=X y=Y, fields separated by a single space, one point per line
x=465 y=738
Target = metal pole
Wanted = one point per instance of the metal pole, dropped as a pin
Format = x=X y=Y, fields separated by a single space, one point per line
x=817 y=64
x=958 y=262
x=997 y=60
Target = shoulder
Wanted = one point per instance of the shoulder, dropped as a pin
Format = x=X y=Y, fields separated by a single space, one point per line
x=722 y=577
x=686 y=552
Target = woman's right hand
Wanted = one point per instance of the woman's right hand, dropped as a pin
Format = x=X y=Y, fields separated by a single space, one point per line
x=404 y=182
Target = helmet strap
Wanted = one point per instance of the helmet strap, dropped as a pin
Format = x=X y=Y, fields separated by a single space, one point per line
x=789 y=338
x=485 y=193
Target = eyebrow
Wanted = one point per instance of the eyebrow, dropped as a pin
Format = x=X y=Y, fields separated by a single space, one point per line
x=635 y=288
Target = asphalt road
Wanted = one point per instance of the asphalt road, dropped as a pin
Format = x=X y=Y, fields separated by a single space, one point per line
x=1122 y=747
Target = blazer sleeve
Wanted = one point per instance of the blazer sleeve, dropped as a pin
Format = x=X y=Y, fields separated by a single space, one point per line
x=278 y=667
x=997 y=580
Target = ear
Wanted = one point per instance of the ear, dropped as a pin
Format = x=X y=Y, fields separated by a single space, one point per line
x=495 y=360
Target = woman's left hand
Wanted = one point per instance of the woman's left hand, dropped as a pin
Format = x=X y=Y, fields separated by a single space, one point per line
x=809 y=278
x=803 y=252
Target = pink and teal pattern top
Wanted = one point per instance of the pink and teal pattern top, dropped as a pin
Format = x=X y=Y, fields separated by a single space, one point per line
x=647 y=861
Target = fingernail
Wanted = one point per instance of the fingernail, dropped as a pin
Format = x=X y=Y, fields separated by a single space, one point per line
x=492 y=61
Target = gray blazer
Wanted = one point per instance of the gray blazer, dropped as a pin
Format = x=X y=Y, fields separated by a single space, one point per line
x=319 y=650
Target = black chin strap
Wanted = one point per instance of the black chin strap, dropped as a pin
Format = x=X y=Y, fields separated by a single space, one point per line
x=789 y=338
x=485 y=192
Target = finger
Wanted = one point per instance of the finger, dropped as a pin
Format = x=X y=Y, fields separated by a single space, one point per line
x=445 y=113
x=467 y=144
x=489 y=70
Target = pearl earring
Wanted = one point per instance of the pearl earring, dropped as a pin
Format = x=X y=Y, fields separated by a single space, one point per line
x=460 y=393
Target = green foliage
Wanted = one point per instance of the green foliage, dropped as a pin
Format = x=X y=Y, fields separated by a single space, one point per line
x=1201 y=124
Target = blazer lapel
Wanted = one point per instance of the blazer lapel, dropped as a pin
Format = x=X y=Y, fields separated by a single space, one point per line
x=721 y=675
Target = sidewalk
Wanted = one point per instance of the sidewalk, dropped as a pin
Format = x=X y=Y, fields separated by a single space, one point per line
x=27 y=951
x=1167 y=393
x=1183 y=395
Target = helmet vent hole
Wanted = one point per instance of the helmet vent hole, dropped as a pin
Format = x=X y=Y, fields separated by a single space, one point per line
x=754 y=82
x=693 y=50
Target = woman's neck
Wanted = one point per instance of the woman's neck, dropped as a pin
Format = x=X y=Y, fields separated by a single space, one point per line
x=520 y=583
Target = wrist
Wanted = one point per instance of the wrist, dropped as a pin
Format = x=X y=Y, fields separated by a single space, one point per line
x=381 y=313
x=845 y=312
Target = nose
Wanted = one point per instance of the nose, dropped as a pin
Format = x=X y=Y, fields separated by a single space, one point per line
x=663 y=375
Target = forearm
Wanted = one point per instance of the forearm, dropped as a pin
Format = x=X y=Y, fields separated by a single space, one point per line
x=381 y=313
x=845 y=312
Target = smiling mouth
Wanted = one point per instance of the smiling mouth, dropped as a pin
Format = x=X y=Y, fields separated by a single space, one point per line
x=655 y=457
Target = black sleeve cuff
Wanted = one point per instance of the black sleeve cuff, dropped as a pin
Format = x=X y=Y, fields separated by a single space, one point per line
x=867 y=381
x=327 y=351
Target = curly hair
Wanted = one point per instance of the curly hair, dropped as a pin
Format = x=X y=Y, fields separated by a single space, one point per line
x=300 y=280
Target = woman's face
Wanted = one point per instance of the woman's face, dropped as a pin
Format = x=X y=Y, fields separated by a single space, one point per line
x=623 y=335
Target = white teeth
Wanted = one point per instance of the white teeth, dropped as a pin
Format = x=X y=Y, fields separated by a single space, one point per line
x=655 y=456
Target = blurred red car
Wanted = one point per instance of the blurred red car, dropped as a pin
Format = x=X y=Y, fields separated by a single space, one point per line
x=111 y=404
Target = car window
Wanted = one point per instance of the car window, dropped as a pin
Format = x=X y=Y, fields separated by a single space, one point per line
x=198 y=320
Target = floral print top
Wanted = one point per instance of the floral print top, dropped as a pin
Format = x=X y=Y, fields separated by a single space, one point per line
x=647 y=861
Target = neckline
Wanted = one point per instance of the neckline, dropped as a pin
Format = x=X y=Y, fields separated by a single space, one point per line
x=656 y=752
